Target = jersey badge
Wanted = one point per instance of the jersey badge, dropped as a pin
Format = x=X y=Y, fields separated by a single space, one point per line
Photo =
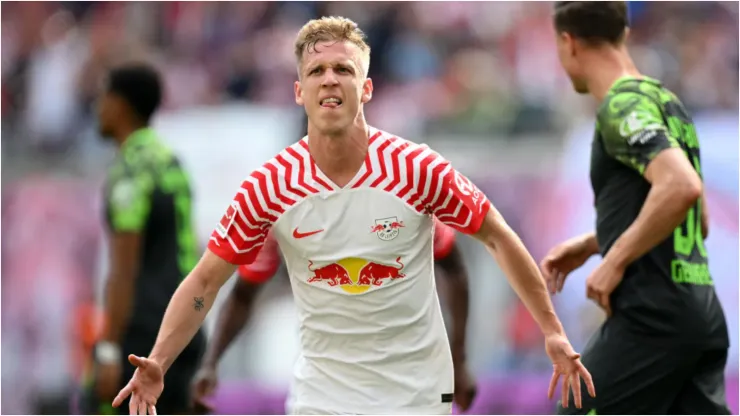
x=387 y=228
x=228 y=220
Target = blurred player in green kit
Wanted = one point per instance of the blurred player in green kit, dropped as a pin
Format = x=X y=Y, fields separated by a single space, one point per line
x=663 y=347
x=153 y=246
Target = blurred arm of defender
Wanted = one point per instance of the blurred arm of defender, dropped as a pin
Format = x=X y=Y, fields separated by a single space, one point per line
x=448 y=257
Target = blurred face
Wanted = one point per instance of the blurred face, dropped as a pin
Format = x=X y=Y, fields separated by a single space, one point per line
x=109 y=109
x=568 y=52
x=332 y=86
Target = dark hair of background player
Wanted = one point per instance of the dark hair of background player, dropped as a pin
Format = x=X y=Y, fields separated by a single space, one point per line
x=140 y=86
x=595 y=22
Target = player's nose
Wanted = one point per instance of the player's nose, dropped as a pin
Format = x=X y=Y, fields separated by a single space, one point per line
x=330 y=79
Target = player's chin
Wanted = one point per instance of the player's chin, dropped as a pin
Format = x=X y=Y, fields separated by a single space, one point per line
x=580 y=87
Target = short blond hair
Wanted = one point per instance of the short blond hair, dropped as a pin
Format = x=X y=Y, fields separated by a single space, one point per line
x=331 y=29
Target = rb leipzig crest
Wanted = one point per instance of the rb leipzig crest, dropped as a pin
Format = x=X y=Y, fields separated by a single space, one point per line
x=387 y=228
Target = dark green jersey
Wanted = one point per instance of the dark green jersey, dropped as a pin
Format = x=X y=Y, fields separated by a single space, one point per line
x=668 y=293
x=148 y=192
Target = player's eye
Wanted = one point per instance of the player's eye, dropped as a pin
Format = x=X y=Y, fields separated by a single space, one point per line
x=343 y=70
x=314 y=71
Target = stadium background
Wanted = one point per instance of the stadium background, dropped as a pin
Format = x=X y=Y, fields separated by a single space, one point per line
x=479 y=82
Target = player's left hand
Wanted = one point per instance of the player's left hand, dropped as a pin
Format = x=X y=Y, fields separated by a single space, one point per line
x=566 y=362
x=602 y=282
x=465 y=387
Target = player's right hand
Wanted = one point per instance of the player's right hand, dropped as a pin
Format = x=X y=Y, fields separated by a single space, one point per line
x=204 y=384
x=562 y=259
x=144 y=388
x=566 y=362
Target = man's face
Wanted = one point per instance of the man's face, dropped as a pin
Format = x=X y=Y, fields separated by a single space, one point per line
x=332 y=86
x=568 y=54
x=108 y=108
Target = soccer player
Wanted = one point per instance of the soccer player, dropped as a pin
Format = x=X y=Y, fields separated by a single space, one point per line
x=663 y=347
x=152 y=240
x=237 y=309
x=352 y=208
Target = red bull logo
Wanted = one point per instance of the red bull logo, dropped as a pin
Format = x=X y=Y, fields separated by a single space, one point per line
x=355 y=275
x=332 y=274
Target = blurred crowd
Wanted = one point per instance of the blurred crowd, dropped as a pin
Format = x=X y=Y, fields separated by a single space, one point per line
x=486 y=69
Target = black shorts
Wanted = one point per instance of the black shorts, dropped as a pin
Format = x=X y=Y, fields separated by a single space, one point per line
x=634 y=377
x=175 y=398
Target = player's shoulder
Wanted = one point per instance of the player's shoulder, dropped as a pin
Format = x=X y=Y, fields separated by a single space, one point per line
x=632 y=106
x=393 y=150
x=147 y=155
x=285 y=179
x=635 y=94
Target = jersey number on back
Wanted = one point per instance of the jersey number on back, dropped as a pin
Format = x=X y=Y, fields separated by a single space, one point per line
x=688 y=239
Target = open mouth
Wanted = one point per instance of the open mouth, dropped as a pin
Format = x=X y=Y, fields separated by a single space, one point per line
x=331 y=102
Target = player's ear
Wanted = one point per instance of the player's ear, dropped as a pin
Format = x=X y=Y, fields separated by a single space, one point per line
x=626 y=34
x=569 y=42
x=367 y=91
x=298 y=93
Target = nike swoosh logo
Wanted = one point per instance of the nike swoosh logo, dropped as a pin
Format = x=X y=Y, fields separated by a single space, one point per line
x=297 y=234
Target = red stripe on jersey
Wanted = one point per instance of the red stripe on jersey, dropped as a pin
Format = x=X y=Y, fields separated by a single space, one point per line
x=271 y=205
x=314 y=175
x=422 y=167
x=276 y=185
x=410 y=160
x=434 y=187
x=252 y=192
x=289 y=176
x=368 y=164
x=381 y=160
x=301 y=170
x=395 y=160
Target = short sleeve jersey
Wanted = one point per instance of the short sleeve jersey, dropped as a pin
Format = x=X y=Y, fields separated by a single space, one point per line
x=360 y=264
x=148 y=192
x=267 y=262
x=668 y=293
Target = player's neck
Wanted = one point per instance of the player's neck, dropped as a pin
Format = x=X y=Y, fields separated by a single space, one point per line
x=125 y=131
x=339 y=156
x=606 y=66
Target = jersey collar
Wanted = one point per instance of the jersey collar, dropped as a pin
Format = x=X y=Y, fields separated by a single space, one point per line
x=139 y=136
x=631 y=78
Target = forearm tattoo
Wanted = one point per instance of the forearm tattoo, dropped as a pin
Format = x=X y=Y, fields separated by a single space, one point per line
x=198 y=303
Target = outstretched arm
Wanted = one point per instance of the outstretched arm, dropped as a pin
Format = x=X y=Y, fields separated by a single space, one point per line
x=520 y=269
x=237 y=309
x=189 y=306
x=238 y=239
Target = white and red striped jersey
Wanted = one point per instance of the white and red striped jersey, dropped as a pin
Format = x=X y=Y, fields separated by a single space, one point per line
x=360 y=264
